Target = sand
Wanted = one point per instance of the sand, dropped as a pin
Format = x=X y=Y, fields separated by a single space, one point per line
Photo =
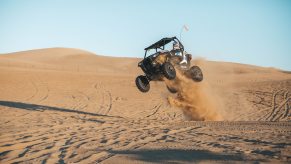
x=62 y=105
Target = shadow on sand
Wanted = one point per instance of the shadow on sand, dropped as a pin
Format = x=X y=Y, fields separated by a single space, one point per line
x=35 y=107
x=178 y=155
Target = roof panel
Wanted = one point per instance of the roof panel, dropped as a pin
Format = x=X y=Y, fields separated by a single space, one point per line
x=160 y=43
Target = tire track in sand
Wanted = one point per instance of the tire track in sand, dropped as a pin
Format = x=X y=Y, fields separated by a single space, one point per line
x=105 y=105
x=277 y=111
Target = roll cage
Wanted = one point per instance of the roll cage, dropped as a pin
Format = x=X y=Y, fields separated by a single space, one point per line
x=161 y=44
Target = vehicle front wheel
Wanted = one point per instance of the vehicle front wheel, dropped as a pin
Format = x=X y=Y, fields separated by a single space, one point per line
x=196 y=73
x=169 y=71
x=142 y=83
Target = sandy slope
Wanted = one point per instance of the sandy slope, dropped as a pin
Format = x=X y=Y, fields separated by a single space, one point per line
x=67 y=105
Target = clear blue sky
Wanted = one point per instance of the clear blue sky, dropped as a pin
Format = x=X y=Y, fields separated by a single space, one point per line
x=247 y=31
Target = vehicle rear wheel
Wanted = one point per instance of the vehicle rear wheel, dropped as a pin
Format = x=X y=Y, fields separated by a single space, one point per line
x=142 y=83
x=172 y=90
x=169 y=71
x=196 y=73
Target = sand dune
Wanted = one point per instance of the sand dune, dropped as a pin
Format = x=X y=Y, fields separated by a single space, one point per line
x=62 y=105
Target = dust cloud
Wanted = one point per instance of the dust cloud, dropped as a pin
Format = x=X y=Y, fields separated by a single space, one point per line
x=195 y=99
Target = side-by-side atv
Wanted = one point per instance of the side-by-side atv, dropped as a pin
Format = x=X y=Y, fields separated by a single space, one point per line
x=163 y=63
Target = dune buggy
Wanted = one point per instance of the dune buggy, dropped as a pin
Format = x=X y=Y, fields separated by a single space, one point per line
x=163 y=63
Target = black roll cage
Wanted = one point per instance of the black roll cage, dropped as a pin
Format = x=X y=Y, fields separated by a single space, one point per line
x=161 y=44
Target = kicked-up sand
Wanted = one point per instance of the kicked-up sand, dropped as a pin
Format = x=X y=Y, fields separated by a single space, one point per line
x=63 y=105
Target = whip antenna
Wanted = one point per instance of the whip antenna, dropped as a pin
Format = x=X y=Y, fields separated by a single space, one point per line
x=184 y=27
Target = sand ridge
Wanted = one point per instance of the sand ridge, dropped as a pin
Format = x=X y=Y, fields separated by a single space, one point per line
x=64 y=105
